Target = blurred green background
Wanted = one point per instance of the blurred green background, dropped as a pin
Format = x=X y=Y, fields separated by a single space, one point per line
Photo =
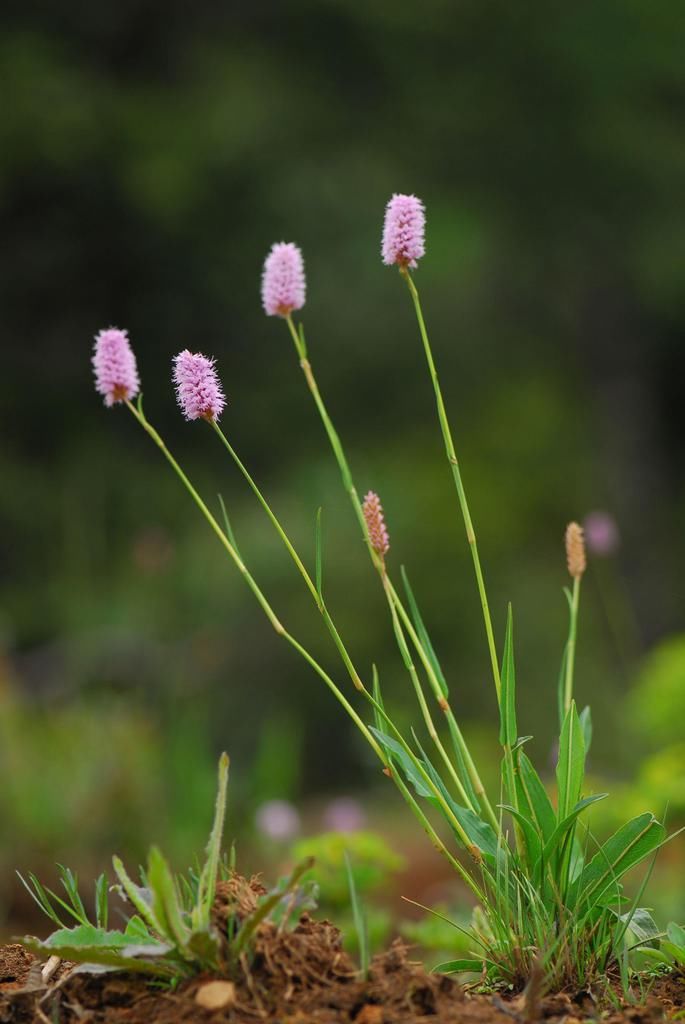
x=149 y=155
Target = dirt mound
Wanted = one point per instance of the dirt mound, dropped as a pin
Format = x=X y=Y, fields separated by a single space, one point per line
x=302 y=976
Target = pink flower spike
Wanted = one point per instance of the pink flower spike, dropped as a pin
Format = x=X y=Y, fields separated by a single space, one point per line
x=116 y=373
x=403 y=231
x=283 y=281
x=375 y=523
x=198 y=388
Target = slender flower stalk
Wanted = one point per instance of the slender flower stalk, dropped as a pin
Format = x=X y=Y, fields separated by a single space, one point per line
x=249 y=579
x=576 y=562
x=350 y=488
x=456 y=473
x=281 y=631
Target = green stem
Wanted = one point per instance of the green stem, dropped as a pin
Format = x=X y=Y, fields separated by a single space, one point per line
x=154 y=435
x=461 y=493
x=348 y=483
x=411 y=669
x=351 y=490
x=318 y=598
x=254 y=587
x=445 y=706
x=571 y=654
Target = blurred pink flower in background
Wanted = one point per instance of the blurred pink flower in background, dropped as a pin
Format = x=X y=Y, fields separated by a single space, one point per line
x=278 y=819
x=345 y=814
x=601 y=533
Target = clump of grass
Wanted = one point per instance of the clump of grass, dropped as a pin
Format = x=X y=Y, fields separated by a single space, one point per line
x=551 y=897
x=172 y=932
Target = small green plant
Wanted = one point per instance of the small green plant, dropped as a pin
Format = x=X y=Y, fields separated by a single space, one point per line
x=669 y=950
x=173 y=932
x=550 y=896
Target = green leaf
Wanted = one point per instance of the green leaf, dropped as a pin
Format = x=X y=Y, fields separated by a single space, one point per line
x=422 y=634
x=458 y=966
x=536 y=795
x=319 y=557
x=228 y=527
x=40 y=896
x=207 y=884
x=137 y=930
x=70 y=882
x=508 y=731
x=139 y=897
x=530 y=832
x=561 y=683
x=676 y=935
x=89 y=935
x=562 y=828
x=406 y=763
x=101 y=901
x=586 y=725
x=166 y=902
x=676 y=952
x=628 y=846
x=359 y=917
x=142 y=959
x=641 y=927
x=571 y=763
x=480 y=833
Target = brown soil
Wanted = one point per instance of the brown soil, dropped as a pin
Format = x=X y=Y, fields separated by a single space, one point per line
x=296 y=977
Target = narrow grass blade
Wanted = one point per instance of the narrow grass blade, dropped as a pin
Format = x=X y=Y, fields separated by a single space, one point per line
x=227 y=526
x=586 y=726
x=101 y=901
x=166 y=903
x=39 y=896
x=422 y=633
x=319 y=557
x=571 y=763
x=458 y=967
x=359 y=917
x=536 y=796
x=508 y=729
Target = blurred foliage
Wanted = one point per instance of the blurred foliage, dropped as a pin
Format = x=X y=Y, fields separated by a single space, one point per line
x=148 y=157
x=656 y=709
x=373 y=863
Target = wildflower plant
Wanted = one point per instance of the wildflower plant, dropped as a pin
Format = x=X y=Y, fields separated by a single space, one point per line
x=548 y=893
x=173 y=931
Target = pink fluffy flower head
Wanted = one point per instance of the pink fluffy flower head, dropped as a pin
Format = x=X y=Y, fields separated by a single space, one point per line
x=116 y=373
x=198 y=388
x=375 y=523
x=283 y=281
x=403 y=231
